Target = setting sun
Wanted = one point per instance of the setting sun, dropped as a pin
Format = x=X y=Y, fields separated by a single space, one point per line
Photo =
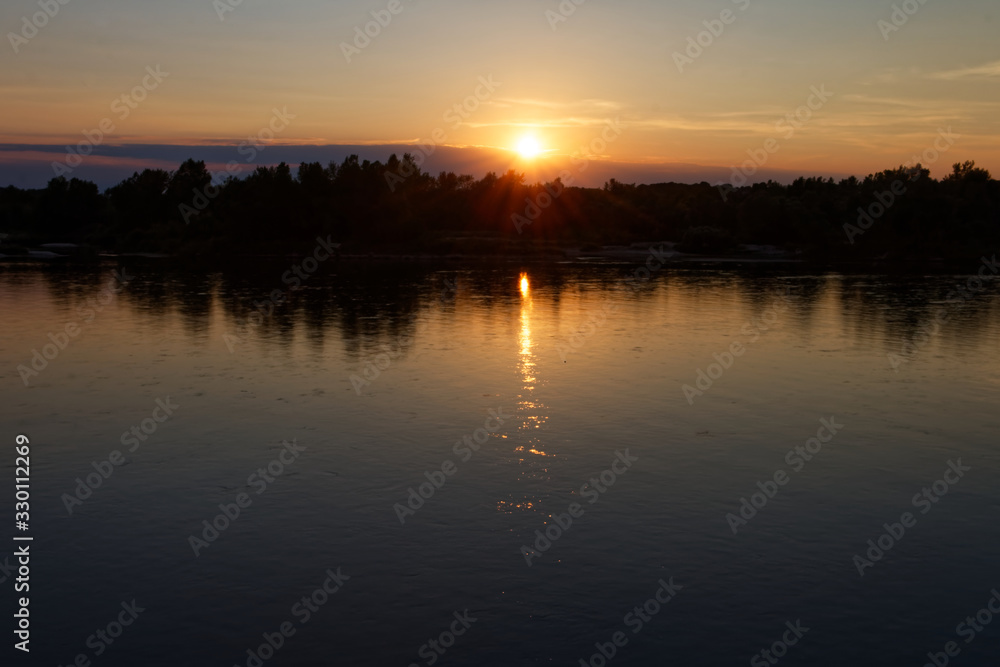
x=529 y=148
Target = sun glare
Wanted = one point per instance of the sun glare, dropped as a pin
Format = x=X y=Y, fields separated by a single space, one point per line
x=529 y=148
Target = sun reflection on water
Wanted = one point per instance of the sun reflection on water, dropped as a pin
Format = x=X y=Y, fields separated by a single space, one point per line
x=529 y=452
x=527 y=404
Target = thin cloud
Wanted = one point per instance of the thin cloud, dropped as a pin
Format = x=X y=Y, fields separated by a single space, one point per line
x=989 y=70
x=570 y=122
x=591 y=103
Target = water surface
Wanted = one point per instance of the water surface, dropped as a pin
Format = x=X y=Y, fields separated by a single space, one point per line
x=379 y=369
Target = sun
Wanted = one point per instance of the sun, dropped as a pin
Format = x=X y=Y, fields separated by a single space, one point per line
x=528 y=148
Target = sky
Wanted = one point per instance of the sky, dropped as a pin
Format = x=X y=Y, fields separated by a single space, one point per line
x=718 y=90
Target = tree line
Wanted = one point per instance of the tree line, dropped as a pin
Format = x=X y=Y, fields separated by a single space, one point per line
x=395 y=207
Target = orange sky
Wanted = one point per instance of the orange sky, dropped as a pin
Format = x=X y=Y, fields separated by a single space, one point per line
x=699 y=83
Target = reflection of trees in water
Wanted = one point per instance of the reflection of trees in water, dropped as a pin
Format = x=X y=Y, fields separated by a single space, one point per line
x=368 y=304
x=895 y=308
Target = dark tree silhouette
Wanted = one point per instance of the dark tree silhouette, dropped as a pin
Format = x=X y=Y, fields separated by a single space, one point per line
x=396 y=207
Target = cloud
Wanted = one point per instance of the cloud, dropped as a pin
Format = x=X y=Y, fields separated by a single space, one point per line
x=568 y=122
x=536 y=113
x=989 y=70
x=591 y=104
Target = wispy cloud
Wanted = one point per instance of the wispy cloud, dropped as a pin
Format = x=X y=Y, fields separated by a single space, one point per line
x=542 y=123
x=989 y=70
x=550 y=114
x=902 y=75
x=587 y=104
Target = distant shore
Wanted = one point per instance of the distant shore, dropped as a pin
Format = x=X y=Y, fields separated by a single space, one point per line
x=67 y=253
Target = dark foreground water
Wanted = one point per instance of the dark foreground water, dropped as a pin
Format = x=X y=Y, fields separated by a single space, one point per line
x=856 y=407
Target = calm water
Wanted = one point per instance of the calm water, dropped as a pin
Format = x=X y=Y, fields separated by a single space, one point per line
x=459 y=343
